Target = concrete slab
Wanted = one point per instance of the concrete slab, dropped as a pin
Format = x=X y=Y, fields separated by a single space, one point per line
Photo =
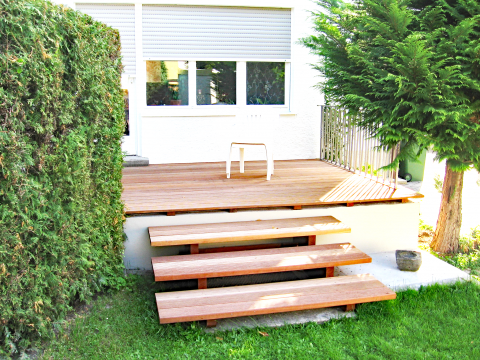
x=133 y=161
x=384 y=268
x=281 y=319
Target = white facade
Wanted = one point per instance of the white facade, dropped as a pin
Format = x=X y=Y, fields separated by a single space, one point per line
x=198 y=133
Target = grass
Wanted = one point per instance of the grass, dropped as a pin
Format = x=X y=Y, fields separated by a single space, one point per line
x=439 y=322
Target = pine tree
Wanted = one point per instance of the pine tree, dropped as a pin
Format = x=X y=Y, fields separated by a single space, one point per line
x=412 y=68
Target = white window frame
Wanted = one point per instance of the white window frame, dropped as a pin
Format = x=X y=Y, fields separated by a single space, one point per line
x=193 y=109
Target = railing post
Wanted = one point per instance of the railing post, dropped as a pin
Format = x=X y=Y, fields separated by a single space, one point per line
x=321 y=131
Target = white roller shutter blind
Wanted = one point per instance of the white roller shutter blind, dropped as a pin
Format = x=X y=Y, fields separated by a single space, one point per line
x=121 y=17
x=196 y=32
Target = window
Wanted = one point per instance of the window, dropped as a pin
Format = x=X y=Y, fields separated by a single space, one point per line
x=216 y=83
x=265 y=83
x=167 y=83
x=237 y=55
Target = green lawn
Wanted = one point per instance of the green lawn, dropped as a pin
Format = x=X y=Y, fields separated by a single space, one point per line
x=438 y=322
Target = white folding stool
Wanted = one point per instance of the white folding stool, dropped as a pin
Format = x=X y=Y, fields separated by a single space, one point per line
x=252 y=130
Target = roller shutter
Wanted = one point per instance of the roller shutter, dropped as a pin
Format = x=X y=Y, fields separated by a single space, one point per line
x=121 y=17
x=203 y=33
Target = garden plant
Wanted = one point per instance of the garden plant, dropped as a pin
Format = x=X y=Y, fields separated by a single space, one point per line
x=61 y=122
x=412 y=69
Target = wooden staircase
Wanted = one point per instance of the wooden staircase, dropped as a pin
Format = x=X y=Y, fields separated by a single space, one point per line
x=211 y=304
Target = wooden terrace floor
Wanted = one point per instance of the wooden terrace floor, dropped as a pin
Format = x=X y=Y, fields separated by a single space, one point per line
x=173 y=188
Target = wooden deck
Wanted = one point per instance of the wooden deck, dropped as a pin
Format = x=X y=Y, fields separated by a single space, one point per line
x=173 y=188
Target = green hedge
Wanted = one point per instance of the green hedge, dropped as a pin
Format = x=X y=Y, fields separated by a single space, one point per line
x=61 y=122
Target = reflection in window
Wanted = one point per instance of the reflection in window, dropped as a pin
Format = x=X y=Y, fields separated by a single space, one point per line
x=127 y=115
x=167 y=82
x=265 y=83
x=216 y=83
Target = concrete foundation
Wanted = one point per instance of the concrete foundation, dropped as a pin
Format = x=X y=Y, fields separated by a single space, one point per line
x=375 y=228
x=134 y=161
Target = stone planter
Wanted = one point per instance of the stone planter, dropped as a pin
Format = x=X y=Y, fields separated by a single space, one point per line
x=408 y=260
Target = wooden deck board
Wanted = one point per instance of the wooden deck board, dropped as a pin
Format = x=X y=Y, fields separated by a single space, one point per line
x=193 y=305
x=204 y=186
x=263 y=261
x=244 y=230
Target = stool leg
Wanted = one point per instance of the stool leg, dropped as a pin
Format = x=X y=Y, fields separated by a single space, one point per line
x=269 y=164
x=229 y=162
x=242 y=159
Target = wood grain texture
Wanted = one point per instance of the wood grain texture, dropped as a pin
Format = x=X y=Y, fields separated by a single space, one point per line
x=238 y=248
x=244 y=230
x=199 y=266
x=171 y=188
x=209 y=304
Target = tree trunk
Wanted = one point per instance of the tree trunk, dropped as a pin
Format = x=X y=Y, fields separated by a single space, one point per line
x=449 y=220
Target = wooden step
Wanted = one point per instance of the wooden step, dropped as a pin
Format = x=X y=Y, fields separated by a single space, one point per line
x=220 y=303
x=244 y=230
x=200 y=266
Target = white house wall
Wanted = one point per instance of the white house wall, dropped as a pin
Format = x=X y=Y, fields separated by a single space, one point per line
x=375 y=228
x=186 y=134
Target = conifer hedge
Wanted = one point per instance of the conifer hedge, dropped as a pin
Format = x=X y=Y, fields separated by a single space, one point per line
x=61 y=122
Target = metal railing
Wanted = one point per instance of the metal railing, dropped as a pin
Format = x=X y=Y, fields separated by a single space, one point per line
x=346 y=145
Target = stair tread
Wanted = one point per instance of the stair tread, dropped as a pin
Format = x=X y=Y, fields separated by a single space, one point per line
x=218 y=303
x=196 y=266
x=245 y=230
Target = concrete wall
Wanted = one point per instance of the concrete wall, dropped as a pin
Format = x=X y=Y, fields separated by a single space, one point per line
x=375 y=228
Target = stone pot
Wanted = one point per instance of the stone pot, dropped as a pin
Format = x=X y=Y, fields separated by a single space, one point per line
x=408 y=260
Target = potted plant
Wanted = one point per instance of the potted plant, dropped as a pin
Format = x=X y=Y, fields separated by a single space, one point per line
x=174 y=96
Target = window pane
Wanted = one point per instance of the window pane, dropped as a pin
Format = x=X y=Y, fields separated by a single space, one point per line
x=216 y=83
x=167 y=82
x=265 y=83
